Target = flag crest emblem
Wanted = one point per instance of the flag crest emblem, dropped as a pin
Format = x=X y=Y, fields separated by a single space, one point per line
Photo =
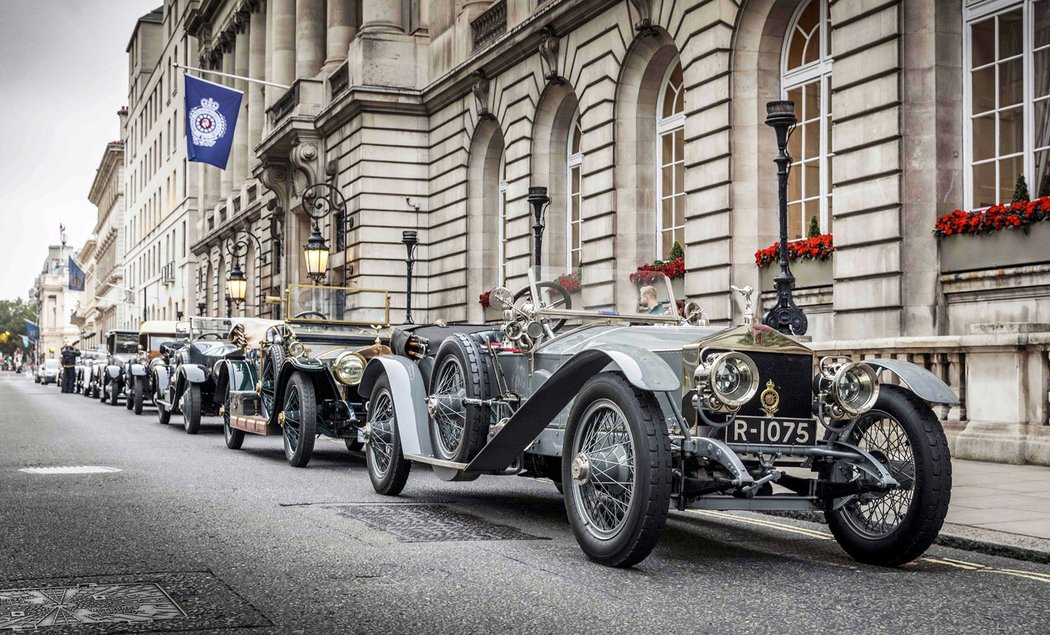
x=207 y=125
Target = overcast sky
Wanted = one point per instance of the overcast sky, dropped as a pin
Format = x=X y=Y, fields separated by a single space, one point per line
x=63 y=76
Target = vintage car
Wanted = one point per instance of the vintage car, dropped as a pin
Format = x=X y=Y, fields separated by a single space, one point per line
x=633 y=413
x=121 y=346
x=182 y=376
x=85 y=362
x=297 y=377
x=50 y=371
x=138 y=380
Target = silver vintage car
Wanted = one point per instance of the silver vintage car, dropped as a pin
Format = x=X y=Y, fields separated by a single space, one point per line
x=631 y=414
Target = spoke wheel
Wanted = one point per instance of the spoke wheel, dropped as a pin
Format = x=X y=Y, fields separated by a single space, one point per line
x=387 y=467
x=191 y=409
x=450 y=415
x=552 y=296
x=271 y=368
x=893 y=527
x=234 y=438
x=616 y=471
x=459 y=430
x=300 y=420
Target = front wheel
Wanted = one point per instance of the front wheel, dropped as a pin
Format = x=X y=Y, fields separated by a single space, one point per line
x=139 y=395
x=234 y=438
x=895 y=527
x=191 y=409
x=300 y=420
x=129 y=398
x=387 y=467
x=616 y=471
x=114 y=393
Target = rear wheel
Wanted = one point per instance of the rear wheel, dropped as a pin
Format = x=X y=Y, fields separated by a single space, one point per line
x=139 y=395
x=895 y=527
x=461 y=372
x=191 y=409
x=387 y=467
x=300 y=420
x=616 y=471
x=128 y=399
x=114 y=393
x=233 y=437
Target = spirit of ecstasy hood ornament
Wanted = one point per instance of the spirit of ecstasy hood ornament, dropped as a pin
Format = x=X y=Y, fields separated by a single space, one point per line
x=746 y=292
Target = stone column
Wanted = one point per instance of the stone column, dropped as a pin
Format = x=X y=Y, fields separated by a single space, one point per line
x=240 y=133
x=256 y=70
x=342 y=28
x=382 y=16
x=227 y=174
x=309 y=37
x=269 y=91
x=283 y=42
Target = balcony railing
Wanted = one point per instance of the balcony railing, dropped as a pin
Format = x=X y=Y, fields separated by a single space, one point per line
x=167 y=273
x=489 y=25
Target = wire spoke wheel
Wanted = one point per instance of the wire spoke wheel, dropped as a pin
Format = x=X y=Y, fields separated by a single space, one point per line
x=878 y=515
x=604 y=446
x=293 y=417
x=450 y=415
x=381 y=440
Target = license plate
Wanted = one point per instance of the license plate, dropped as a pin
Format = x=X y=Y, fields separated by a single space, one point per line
x=762 y=431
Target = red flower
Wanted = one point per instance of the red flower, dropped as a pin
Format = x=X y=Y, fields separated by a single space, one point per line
x=994 y=218
x=817 y=248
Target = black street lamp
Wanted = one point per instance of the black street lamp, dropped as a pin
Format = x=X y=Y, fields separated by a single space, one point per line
x=236 y=281
x=320 y=200
x=409 y=238
x=539 y=200
x=785 y=316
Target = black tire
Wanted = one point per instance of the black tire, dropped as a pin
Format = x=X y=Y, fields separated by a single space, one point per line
x=562 y=301
x=299 y=410
x=128 y=400
x=191 y=409
x=138 y=395
x=387 y=467
x=271 y=370
x=616 y=536
x=897 y=417
x=461 y=370
x=114 y=393
x=234 y=438
x=163 y=414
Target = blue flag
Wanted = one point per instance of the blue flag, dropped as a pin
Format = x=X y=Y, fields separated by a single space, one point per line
x=32 y=330
x=76 y=276
x=25 y=341
x=211 y=116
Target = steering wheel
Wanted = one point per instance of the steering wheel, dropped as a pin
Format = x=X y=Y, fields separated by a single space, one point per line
x=210 y=336
x=556 y=294
x=316 y=314
x=278 y=331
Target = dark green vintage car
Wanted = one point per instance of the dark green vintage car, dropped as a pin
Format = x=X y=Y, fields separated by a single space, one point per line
x=298 y=378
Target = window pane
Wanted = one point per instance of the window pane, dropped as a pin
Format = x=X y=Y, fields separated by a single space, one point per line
x=666 y=156
x=982 y=88
x=1009 y=170
x=795 y=182
x=1011 y=131
x=679 y=145
x=812 y=100
x=679 y=177
x=812 y=178
x=666 y=181
x=982 y=43
x=679 y=102
x=1010 y=30
x=667 y=216
x=1011 y=76
x=983 y=137
x=1040 y=185
x=795 y=145
x=794 y=221
x=831 y=217
x=811 y=132
x=1041 y=119
x=1041 y=28
x=1041 y=74
x=984 y=193
x=679 y=210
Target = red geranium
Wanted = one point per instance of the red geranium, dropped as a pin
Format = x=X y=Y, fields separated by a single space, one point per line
x=817 y=248
x=483 y=299
x=1021 y=214
x=571 y=282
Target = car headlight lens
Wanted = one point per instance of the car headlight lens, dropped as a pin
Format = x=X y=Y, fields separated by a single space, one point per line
x=349 y=368
x=729 y=378
x=855 y=387
x=296 y=349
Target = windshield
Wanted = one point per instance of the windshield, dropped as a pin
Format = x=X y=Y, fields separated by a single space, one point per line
x=124 y=343
x=210 y=325
x=309 y=303
x=156 y=341
x=51 y=364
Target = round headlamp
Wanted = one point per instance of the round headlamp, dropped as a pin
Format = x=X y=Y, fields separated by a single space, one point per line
x=349 y=368
x=855 y=387
x=296 y=349
x=731 y=378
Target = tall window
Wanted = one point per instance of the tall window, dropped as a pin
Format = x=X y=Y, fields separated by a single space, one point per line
x=670 y=182
x=806 y=80
x=1008 y=118
x=501 y=221
x=574 y=218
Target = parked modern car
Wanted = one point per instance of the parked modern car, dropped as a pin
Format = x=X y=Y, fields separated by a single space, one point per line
x=121 y=346
x=138 y=380
x=297 y=377
x=48 y=372
x=182 y=376
x=633 y=413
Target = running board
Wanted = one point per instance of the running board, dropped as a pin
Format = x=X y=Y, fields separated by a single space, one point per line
x=452 y=465
x=253 y=425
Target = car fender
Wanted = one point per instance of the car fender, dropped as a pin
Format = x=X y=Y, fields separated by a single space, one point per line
x=161 y=380
x=408 y=391
x=324 y=385
x=113 y=371
x=193 y=373
x=920 y=381
x=642 y=368
x=138 y=370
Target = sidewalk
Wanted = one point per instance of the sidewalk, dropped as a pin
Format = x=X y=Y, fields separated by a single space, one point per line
x=998 y=507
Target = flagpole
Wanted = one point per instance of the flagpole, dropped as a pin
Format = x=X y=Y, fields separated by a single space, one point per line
x=241 y=77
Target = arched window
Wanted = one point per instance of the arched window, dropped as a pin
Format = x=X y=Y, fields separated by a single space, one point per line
x=574 y=217
x=501 y=221
x=806 y=80
x=670 y=178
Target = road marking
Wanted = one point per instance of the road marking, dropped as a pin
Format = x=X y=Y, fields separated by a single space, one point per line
x=981 y=568
x=70 y=469
x=957 y=565
x=809 y=533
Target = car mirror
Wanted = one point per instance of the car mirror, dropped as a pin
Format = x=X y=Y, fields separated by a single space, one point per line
x=502 y=298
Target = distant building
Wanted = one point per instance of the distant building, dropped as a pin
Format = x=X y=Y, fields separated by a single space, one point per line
x=85 y=311
x=55 y=302
x=112 y=308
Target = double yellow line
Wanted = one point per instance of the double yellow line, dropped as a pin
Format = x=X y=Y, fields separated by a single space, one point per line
x=973 y=566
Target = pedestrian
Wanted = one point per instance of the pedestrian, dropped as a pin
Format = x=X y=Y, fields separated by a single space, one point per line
x=69 y=366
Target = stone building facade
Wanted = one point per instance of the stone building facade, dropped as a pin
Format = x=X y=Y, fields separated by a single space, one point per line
x=110 y=307
x=55 y=302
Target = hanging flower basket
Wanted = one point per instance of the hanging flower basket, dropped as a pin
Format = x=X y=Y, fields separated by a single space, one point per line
x=1019 y=214
x=1008 y=235
x=810 y=262
x=571 y=282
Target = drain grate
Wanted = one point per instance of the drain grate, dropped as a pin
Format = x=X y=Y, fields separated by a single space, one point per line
x=70 y=469
x=86 y=604
x=427 y=523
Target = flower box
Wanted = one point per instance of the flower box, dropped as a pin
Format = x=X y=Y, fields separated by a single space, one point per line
x=808 y=273
x=1004 y=248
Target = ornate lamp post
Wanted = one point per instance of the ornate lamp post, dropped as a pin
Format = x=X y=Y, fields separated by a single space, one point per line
x=236 y=281
x=409 y=238
x=539 y=200
x=785 y=316
x=320 y=200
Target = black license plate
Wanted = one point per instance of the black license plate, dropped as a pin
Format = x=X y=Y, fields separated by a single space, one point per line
x=764 y=431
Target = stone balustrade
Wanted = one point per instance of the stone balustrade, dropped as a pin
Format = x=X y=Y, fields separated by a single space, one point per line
x=489 y=25
x=1001 y=373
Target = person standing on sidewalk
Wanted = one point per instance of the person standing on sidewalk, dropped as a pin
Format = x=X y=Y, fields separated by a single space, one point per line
x=69 y=366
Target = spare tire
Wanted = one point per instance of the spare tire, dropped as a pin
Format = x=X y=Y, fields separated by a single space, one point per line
x=462 y=371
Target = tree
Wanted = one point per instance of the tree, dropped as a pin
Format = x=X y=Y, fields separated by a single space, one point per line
x=1020 y=190
x=13 y=314
x=814 y=228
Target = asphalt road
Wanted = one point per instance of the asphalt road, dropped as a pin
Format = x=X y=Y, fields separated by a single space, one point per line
x=240 y=540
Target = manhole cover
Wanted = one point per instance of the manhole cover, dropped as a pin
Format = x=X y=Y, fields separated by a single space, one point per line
x=86 y=604
x=181 y=601
x=70 y=469
x=427 y=523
